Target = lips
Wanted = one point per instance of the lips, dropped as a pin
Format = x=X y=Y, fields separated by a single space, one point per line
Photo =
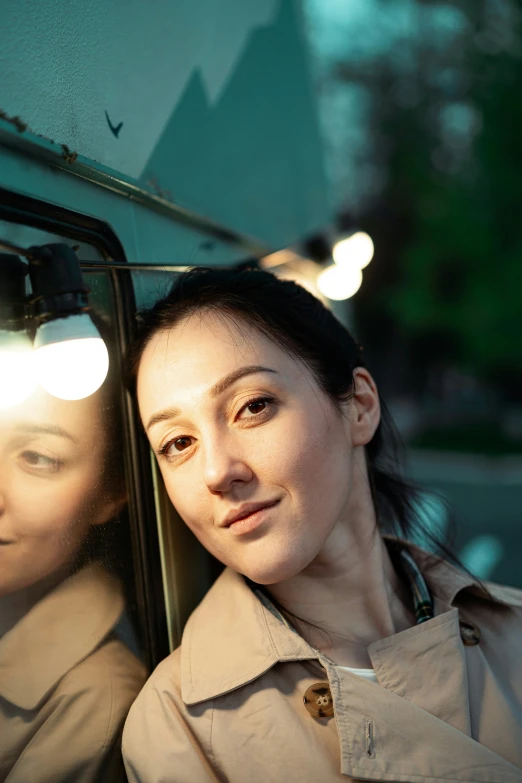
x=245 y=511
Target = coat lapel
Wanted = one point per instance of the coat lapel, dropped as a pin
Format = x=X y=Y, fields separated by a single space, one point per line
x=385 y=737
x=415 y=724
x=426 y=665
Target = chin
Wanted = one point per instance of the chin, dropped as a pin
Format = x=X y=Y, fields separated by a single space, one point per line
x=268 y=573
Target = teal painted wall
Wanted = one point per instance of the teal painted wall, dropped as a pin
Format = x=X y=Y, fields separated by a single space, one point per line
x=215 y=99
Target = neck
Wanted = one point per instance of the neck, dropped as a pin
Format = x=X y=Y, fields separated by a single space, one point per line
x=350 y=595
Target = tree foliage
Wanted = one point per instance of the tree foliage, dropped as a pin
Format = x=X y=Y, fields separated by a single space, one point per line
x=445 y=127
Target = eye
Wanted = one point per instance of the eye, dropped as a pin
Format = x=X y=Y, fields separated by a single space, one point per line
x=255 y=407
x=180 y=444
x=37 y=461
x=177 y=444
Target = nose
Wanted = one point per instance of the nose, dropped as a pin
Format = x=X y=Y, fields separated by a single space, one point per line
x=224 y=465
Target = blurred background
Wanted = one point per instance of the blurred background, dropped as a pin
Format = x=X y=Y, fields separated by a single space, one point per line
x=420 y=115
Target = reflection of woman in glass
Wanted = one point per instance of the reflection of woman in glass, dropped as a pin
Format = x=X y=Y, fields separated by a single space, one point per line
x=327 y=650
x=66 y=682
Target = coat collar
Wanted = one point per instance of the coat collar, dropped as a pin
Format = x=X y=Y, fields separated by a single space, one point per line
x=57 y=633
x=248 y=638
x=447 y=581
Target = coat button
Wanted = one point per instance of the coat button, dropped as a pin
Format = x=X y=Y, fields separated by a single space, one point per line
x=469 y=633
x=318 y=700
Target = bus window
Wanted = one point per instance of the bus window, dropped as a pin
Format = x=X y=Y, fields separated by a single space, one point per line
x=72 y=657
x=26 y=236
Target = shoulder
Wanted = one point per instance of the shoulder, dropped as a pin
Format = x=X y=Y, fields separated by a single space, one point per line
x=496 y=611
x=203 y=633
x=100 y=689
x=162 y=733
x=110 y=669
x=451 y=584
x=77 y=727
x=492 y=599
x=165 y=680
x=161 y=693
x=503 y=594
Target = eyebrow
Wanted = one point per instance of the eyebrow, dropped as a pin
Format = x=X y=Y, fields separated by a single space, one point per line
x=217 y=389
x=45 y=429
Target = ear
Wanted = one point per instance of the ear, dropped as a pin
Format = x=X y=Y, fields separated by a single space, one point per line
x=365 y=408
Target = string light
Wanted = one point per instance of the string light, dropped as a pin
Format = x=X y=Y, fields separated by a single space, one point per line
x=339 y=282
x=356 y=250
x=71 y=359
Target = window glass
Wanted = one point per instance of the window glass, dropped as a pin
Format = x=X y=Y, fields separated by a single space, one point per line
x=71 y=651
x=25 y=236
x=151 y=285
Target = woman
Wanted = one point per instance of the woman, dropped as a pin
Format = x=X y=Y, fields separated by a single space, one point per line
x=66 y=680
x=326 y=650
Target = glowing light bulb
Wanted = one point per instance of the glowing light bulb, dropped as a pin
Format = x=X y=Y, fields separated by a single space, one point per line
x=339 y=282
x=356 y=250
x=18 y=379
x=70 y=357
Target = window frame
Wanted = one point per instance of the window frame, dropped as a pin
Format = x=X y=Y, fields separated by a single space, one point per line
x=150 y=598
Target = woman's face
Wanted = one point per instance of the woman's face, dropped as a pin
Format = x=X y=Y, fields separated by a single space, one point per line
x=51 y=463
x=238 y=425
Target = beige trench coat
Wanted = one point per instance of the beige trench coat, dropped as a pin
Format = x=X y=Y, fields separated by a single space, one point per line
x=228 y=704
x=66 y=686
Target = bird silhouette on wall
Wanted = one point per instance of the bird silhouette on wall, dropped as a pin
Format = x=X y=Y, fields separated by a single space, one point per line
x=114 y=128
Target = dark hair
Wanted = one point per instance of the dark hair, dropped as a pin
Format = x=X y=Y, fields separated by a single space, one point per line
x=300 y=324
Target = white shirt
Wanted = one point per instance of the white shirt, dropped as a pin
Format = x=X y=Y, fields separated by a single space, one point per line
x=368 y=674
